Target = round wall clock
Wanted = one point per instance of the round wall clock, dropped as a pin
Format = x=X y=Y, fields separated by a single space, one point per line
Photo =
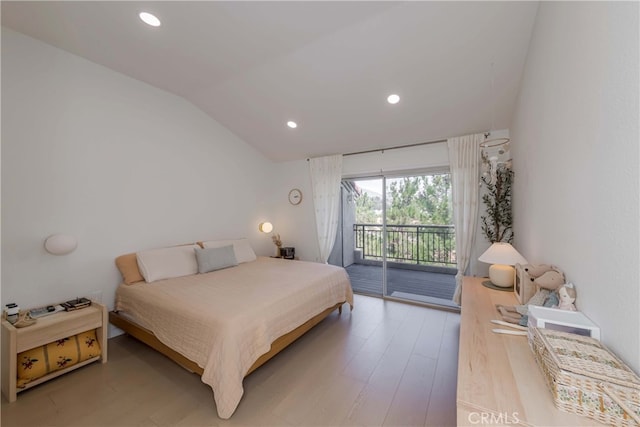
x=295 y=196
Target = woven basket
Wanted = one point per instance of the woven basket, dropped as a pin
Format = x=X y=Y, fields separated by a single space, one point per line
x=586 y=378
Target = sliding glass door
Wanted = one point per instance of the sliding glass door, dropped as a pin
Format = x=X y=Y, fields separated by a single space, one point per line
x=397 y=239
x=360 y=241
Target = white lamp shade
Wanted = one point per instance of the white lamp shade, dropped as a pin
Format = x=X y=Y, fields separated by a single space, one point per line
x=266 y=227
x=502 y=253
x=60 y=244
x=502 y=256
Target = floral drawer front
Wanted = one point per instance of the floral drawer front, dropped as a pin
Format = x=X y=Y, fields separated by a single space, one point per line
x=40 y=361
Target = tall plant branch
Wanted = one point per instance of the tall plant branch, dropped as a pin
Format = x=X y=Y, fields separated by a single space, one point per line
x=498 y=221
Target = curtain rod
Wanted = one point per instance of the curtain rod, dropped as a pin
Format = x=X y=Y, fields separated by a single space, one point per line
x=417 y=144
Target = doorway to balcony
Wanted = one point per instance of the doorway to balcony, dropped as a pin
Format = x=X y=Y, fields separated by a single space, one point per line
x=396 y=238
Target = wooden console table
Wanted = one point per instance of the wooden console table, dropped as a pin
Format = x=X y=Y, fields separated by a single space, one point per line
x=499 y=382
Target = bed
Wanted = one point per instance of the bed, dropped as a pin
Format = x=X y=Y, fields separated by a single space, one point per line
x=225 y=323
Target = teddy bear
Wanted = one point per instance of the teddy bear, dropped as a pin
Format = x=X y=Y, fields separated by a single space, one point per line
x=536 y=270
x=547 y=285
x=567 y=297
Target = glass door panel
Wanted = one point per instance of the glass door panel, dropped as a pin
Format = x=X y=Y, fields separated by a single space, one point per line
x=420 y=248
x=396 y=237
x=362 y=234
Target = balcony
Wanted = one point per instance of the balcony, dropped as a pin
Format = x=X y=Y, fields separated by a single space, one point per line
x=427 y=245
x=420 y=261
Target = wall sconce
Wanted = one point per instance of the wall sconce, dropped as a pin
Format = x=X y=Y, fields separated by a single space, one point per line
x=265 y=227
x=502 y=257
x=60 y=244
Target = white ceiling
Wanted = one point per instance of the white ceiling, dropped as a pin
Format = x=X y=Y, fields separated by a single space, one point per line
x=327 y=65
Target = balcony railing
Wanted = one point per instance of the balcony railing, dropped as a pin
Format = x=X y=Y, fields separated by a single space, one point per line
x=414 y=244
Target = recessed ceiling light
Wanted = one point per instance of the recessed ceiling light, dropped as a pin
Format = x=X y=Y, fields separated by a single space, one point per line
x=292 y=124
x=149 y=19
x=393 y=99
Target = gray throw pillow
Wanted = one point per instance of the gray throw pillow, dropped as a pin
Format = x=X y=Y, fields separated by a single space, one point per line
x=211 y=259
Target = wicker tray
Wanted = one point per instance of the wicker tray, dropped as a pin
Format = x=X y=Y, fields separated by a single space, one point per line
x=586 y=378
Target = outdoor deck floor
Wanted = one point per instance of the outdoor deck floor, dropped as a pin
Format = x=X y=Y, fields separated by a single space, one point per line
x=436 y=288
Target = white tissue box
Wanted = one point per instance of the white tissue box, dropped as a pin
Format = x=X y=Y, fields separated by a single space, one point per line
x=573 y=322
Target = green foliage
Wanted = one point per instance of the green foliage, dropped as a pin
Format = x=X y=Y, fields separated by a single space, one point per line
x=368 y=209
x=413 y=201
x=420 y=200
x=497 y=223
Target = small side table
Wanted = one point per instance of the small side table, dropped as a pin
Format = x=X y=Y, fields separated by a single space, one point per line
x=48 y=329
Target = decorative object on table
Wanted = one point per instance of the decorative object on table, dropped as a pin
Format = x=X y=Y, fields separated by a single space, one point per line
x=519 y=330
x=566 y=297
x=11 y=312
x=24 y=320
x=288 y=253
x=60 y=244
x=295 y=196
x=524 y=287
x=502 y=257
x=76 y=304
x=574 y=322
x=586 y=378
x=278 y=242
x=13 y=315
x=45 y=310
x=547 y=285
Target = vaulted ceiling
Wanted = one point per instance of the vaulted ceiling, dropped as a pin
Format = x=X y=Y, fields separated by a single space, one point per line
x=329 y=66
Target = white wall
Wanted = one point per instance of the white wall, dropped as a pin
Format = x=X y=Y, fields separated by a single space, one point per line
x=575 y=150
x=117 y=163
x=296 y=224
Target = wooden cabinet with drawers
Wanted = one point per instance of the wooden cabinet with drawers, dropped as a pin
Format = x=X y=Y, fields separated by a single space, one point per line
x=46 y=330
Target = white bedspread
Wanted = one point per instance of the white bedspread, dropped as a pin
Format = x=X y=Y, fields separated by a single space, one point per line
x=225 y=320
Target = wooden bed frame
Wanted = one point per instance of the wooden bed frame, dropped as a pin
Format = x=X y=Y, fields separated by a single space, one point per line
x=147 y=337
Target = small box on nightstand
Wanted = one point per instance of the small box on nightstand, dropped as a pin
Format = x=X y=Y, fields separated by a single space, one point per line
x=288 y=253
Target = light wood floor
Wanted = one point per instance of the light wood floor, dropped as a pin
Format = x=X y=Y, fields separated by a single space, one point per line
x=386 y=363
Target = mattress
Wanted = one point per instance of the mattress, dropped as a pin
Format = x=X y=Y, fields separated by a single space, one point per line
x=225 y=320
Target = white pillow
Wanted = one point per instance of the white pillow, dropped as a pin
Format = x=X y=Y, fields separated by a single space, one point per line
x=165 y=263
x=242 y=248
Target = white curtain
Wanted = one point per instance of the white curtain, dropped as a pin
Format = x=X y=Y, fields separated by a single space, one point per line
x=464 y=160
x=326 y=173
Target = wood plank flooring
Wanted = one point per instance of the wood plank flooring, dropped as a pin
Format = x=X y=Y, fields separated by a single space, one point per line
x=367 y=279
x=384 y=364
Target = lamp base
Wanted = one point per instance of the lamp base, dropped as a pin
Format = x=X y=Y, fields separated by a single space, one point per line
x=488 y=284
x=501 y=275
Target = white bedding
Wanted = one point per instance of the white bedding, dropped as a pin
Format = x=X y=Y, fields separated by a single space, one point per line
x=225 y=320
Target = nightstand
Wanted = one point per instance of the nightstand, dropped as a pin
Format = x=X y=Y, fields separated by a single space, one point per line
x=46 y=330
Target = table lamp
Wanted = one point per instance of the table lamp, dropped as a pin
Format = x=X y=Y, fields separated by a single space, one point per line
x=502 y=257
